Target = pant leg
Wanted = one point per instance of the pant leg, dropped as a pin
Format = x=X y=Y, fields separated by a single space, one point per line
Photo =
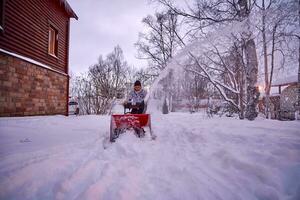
x=141 y=108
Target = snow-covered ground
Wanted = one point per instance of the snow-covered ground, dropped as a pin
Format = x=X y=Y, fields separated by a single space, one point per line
x=57 y=157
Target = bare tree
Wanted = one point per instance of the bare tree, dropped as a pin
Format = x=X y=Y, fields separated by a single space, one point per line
x=194 y=90
x=82 y=89
x=145 y=75
x=204 y=14
x=251 y=60
x=208 y=15
x=263 y=9
x=160 y=42
x=226 y=71
x=108 y=78
x=276 y=25
x=104 y=82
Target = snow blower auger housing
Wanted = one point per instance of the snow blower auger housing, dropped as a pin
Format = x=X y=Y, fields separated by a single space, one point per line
x=122 y=122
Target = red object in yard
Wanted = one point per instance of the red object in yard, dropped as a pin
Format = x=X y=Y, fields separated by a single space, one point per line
x=127 y=121
x=131 y=120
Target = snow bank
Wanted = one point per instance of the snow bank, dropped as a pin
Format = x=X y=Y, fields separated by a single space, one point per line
x=193 y=158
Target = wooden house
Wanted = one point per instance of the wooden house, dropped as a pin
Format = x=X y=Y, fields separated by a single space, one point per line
x=34 y=57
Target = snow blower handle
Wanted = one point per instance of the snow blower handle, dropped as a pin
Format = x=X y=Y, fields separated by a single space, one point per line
x=130 y=105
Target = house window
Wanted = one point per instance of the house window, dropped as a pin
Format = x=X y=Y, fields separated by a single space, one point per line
x=1 y=14
x=53 y=41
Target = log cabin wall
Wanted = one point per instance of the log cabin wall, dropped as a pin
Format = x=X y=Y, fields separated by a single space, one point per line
x=26 y=30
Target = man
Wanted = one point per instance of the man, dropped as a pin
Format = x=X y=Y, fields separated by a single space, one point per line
x=136 y=99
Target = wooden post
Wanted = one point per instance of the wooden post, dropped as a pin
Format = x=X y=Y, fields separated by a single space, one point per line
x=279 y=89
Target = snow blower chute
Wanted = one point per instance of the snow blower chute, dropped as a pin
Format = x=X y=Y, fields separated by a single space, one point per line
x=122 y=122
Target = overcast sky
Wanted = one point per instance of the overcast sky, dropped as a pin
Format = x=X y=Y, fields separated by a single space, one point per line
x=102 y=25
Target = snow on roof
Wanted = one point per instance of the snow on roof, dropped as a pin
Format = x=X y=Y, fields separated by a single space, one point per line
x=285 y=80
x=67 y=8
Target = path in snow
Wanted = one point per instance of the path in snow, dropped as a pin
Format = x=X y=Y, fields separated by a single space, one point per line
x=192 y=158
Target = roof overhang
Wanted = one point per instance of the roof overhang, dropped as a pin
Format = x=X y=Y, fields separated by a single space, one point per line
x=288 y=80
x=66 y=6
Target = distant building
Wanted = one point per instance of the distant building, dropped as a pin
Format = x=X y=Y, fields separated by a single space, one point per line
x=34 y=57
x=283 y=102
x=288 y=100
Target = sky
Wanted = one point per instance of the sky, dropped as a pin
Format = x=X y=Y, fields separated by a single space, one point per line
x=102 y=25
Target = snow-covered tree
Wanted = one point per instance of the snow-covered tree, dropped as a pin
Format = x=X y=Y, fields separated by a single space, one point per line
x=206 y=18
x=277 y=24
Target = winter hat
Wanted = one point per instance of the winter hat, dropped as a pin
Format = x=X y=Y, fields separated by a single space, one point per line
x=137 y=83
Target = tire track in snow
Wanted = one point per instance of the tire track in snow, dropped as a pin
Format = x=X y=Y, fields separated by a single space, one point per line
x=120 y=176
x=222 y=146
x=11 y=168
x=186 y=146
x=57 y=165
x=119 y=179
x=225 y=186
x=74 y=184
x=19 y=161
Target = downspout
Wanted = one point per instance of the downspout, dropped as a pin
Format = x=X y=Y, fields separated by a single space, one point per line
x=67 y=67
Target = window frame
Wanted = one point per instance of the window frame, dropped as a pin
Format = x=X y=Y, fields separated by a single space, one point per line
x=52 y=29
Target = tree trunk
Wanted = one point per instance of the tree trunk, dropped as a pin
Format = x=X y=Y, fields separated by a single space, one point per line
x=298 y=115
x=251 y=64
x=265 y=52
x=251 y=74
x=165 y=109
x=241 y=95
x=272 y=58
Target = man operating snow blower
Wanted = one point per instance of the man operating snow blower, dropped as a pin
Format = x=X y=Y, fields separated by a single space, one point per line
x=135 y=118
x=135 y=101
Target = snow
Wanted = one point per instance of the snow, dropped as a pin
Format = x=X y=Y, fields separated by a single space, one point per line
x=32 y=61
x=219 y=40
x=193 y=157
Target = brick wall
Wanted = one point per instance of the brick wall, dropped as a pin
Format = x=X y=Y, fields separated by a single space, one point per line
x=27 y=89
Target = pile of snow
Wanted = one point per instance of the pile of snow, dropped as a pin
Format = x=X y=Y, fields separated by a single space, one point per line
x=193 y=157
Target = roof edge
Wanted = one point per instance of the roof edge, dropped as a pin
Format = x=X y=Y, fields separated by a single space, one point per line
x=66 y=6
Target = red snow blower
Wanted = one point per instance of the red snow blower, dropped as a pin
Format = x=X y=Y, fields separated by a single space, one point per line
x=122 y=122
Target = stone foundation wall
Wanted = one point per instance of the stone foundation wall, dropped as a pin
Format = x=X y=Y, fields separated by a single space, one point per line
x=27 y=89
